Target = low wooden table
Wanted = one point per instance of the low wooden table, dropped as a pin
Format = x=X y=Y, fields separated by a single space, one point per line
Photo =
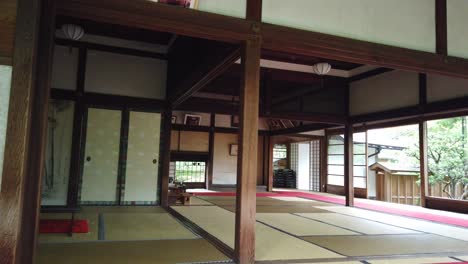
x=179 y=194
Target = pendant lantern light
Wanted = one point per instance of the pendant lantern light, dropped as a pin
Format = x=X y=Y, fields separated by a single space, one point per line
x=321 y=68
x=72 y=31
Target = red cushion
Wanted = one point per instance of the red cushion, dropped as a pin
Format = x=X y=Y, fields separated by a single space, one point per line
x=62 y=226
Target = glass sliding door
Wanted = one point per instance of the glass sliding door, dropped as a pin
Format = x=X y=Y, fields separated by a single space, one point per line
x=101 y=158
x=142 y=167
x=58 y=152
x=5 y=83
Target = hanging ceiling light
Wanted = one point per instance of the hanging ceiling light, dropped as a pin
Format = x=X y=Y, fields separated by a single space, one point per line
x=321 y=68
x=73 y=32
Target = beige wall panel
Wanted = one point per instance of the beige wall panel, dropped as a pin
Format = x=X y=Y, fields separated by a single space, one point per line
x=224 y=165
x=385 y=91
x=457 y=29
x=402 y=23
x=443 y=88
x=194 y=141
x=117 y=74
x=64 y=68
x=174 y=140
x=223 y=7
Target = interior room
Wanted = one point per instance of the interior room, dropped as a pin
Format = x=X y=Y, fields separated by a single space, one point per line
x=204 y=131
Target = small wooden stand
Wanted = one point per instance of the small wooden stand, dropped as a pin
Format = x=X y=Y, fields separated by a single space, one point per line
x=179 y=195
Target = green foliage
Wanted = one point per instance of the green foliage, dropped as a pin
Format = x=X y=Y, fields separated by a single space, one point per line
x=447 y=153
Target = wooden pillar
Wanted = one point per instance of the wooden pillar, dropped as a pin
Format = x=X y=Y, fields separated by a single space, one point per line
x=270 y=172
x=18 y=174
x=166 y=156
x=209 y=180
x=423 y=161
x=324 y=163
x=244 y=250
x=348 y=165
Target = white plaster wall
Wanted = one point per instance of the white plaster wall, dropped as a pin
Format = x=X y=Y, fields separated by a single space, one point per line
x=390 y=90
x=64 y=68
x=402 y=23
x=117 y=74
x=457 y=28
x=224 y=165
x=303 y=172
x=5 y=85
x=225 y=121
x=235 y=8
x=443 y=87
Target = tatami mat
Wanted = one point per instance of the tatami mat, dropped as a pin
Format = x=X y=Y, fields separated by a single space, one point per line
x=357 y=224
x=299 y=200
x=389 y=244
x=139 y=226
x=91 y=236
x=464 y=258
x=270 y=244
x=198 y=201
x=423 y=260
x=300 y=226
x=280 y=209
x=404 y=222
x=122 y=209
x=141 y=252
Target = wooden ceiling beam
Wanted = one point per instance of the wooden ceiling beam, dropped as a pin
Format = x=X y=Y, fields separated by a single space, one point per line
x=204 y=74
x=369 y=74
x=160 y=17
x=308 y=43
x=301 y=129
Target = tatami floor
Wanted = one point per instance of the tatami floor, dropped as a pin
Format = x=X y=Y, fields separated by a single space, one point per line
x=288 y=230
x=298 y=230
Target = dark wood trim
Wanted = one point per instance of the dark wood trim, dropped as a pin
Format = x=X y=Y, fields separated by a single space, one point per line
x=133 y=103
x=458 y=206
x=79 y=127
x=38 y=132
x=225 y=249
x=123 y=148
x=18 y=160
x=6 y=61
x=254 y=10
x=324 y=163
x=244 y=249
x=211 y=139
x=165 y=156
x=441 y=26
x=313 y=117
x=189 y=156
x=422 y=79
x=81 y=74
x=201 y=77
x=423 y=162
x=308 y=43
x=348 y=165
x=369 y=74
x=111 y=49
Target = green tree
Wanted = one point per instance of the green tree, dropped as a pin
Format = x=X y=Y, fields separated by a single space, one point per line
x=447 y=154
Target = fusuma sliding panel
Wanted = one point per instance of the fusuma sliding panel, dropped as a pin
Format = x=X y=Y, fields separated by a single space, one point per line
x=5 y=84
x=141 y=178
x=401 y=23
x=100 y=169
x=232 y=8
x=58 y=152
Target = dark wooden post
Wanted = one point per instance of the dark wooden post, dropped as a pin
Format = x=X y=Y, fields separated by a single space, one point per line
x=19 y=175
x=348 y=165
x=166 y=156
x=209 y=180
x=244 y=250
x=271 y=144
x=423 y=161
